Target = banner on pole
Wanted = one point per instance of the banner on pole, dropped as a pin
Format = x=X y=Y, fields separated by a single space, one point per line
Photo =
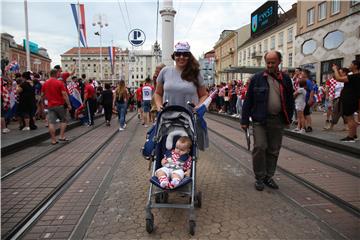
x=82 y=22
x=112 y=58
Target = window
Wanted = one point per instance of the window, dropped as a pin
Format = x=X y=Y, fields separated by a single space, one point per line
x=88 y=65
x=335 y=7
x=272 y=43
x=290 y=60
x=248 y=52
x=66 y=65
x=333 y=39
x=260 y=50
x=265 y=45
x=309 y=46
x=354 y=2
x=310 y=16
x=142 y=76
x=290 y=35
x=322 y=11
x=281 y=38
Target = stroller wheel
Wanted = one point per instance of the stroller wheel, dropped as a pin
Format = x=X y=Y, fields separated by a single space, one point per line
x=161 y=197
x=192 y=227
x=198 y=197
x=150 y=224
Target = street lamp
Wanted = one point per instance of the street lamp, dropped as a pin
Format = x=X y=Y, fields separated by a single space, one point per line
x=100 y=19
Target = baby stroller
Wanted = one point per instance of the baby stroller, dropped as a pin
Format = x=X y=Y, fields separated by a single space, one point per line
x=172 y=123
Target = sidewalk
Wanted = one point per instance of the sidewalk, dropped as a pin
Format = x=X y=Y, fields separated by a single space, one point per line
x=318 y=136
x=16 y=139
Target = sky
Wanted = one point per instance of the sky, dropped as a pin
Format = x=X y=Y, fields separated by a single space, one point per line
x=200 y=22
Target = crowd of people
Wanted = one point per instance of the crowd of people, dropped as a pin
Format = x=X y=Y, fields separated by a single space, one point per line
x=270 y=101
x=331 y=97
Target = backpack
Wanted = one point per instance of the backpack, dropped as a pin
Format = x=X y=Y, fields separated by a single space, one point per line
x=149 y=146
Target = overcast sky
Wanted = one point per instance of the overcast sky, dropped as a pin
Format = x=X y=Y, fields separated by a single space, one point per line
x=200 y=22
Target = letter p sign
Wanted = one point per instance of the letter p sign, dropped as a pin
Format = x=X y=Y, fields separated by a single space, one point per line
x=136 y=37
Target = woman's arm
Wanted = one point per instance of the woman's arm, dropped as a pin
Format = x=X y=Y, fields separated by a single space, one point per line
x=337 y=75
x=203 y=94
x=158 y=96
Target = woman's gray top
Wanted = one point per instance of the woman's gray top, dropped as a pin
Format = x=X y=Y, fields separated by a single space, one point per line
x=176 y=90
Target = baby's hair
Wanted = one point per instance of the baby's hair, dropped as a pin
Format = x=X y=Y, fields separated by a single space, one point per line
x=185 y=140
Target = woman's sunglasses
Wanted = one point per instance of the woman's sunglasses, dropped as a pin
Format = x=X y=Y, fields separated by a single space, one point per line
x=184 y=54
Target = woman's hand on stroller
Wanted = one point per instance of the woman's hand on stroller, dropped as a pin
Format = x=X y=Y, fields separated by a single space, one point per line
x=187 y=173
x=161 y=107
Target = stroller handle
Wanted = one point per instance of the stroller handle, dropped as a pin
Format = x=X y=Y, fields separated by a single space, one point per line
x=190 y=104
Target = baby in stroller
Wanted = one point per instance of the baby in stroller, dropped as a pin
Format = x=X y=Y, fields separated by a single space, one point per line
x=176 y=164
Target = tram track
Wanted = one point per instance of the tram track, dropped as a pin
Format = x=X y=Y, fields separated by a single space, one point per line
x=31 y=217
x=309 y=184
x=44 y=154
x=349 y=169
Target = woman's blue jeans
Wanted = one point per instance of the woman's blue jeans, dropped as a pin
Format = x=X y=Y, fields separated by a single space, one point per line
x=121 y=108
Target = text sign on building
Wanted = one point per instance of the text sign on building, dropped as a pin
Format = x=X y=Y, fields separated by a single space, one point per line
x=264 y=17
x=136 y=37
x=34 y=48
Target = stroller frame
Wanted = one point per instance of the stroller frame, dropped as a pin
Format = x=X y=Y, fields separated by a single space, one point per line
x=188 y=189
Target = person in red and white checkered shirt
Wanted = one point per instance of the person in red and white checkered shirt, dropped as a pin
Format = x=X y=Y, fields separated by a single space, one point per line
x=329 y=98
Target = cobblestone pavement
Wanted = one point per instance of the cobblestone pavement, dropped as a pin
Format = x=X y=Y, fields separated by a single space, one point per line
x=231 y=208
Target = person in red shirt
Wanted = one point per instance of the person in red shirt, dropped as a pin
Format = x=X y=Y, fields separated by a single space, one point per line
x=55 y=93
x=138 y=94
x=90 y=100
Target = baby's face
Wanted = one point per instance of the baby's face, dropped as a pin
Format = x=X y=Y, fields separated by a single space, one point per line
x=181 y=148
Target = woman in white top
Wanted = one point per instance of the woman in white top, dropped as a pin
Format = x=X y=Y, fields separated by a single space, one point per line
x=181 y=83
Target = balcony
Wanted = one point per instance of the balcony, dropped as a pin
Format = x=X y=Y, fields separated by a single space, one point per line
x=231 y=51
x=256 y=55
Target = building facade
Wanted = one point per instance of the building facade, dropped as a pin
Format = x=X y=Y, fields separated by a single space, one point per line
x=279 y=37
x=328 y=32
x=132 y=66
x=207 y=68
x=90 y=63
x=11 y=51
x=225 y=55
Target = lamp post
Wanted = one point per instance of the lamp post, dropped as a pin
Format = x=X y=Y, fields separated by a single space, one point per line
x=100 y=20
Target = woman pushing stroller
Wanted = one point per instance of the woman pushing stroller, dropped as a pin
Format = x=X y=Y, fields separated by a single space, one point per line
x=181 y=83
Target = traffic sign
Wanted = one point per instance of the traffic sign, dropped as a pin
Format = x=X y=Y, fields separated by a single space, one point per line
x=137 y=37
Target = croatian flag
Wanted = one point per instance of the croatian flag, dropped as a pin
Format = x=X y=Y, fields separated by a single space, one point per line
x=74 y=95
x=112 y=58
x=82 y=25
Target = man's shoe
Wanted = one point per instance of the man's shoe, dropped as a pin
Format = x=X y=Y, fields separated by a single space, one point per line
x=271 y=183
x=308 y=129
x=347 y=139
x=259 y=185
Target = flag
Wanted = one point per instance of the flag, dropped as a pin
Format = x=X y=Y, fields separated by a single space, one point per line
x=82 y=25
x=12 y=67
x=74 y=95
x=112 y=58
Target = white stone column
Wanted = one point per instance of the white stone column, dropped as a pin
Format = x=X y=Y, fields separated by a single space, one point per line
x=167 y=19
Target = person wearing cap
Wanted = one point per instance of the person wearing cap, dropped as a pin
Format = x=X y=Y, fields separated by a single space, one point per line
x=181 y=83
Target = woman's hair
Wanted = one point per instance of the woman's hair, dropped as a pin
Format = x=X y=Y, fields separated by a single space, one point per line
x=191 y=71
x=302 y=83
x=345 y=70
x=107 y=85
x=121 y=89
x=357 y=63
